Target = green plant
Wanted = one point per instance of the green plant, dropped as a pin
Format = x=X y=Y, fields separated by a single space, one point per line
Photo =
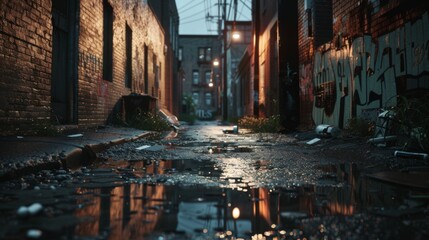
x=189 y=114
x=411 y=116
x=360 y=127
x=147 y=121
x=260 y=125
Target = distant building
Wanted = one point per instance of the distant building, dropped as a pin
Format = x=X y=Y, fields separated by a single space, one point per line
x=201 y=79
x=66 y=62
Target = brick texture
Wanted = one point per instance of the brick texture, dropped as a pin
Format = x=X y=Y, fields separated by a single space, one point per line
x=26 y=39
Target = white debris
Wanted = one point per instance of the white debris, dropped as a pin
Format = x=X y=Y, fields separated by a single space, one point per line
x=313 y=141
x=34 y=233
x=22 y=211
x=143 y=147
x=35 y=208
x=75 y=135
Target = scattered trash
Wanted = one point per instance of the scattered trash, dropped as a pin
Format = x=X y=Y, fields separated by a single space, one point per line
x=155 y=148
x=143 y=147
x=75 y=135
x=423 y=156
x=381 y=141
x=35 y=208
x=34 y=233
x=313 y=141
x=233 y=130
x=328 y=130
x=383 y=125
x=22 y=211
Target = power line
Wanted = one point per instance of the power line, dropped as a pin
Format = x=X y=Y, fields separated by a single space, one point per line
x=244 y=3
x=185 y=5
x=195 y=20
x=191 y=7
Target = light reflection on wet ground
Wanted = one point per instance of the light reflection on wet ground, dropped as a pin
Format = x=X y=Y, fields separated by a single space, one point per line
x=138 y=199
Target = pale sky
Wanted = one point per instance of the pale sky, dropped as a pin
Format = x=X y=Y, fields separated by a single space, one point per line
x=201 y=16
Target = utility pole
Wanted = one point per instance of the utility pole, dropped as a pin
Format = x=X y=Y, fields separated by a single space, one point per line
x=225 y=80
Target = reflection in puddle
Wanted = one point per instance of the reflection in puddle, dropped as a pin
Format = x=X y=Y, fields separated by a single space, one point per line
x=108 y=205
x=153 y=210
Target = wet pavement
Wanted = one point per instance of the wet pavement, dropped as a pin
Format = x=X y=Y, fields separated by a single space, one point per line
x=187 y=188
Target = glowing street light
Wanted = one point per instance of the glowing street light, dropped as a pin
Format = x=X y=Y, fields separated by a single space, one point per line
x=235 y=35
x=236 y=213
x=216 y=62
x=235 y=216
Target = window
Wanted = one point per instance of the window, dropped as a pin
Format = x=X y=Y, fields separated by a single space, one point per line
x=204 y=54
x=208 y=99
x=195 y=77
x=128 y=63
x=195 y=97
x=107 y=41
x=208 y=76
x=180 y=57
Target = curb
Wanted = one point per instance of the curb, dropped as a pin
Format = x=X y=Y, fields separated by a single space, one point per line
x=79 y=156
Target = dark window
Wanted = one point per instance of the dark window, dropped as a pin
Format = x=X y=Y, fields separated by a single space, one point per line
x=180 y=57
x=322 y=21
x=208 y=76
x=204 y=54
x=309 y=23
x=195 y=77
x=107 y=41
x=128 y=49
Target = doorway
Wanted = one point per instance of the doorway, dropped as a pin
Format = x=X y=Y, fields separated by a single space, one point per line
x=64 y=61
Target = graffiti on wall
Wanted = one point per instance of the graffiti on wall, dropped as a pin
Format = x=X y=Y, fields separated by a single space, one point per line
x=92 y=66
x=364 y=74
x=204 y=114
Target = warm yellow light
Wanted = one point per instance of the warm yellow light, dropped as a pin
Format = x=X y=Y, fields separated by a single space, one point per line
x=236 y=35
x=210 y=84
x=215 y=62
x=235 y=213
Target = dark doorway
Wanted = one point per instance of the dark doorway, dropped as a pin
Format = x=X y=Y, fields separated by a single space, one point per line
x=64 y=61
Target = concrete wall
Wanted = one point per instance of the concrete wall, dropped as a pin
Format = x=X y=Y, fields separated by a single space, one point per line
x=378 y=49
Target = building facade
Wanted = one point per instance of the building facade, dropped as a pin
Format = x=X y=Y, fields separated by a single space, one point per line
x=167 y=13
x=200 y=76
x=330 y=61
x=274 y=61
x=68 y=62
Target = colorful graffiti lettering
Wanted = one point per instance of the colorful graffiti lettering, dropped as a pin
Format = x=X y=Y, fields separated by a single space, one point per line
x=364 y=74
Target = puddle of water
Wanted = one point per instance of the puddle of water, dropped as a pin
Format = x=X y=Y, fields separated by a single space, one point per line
x=104 y=204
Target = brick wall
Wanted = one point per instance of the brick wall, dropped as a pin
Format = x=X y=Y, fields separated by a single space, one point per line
x=25 y=62
x=99 y=97
x=26 y=52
